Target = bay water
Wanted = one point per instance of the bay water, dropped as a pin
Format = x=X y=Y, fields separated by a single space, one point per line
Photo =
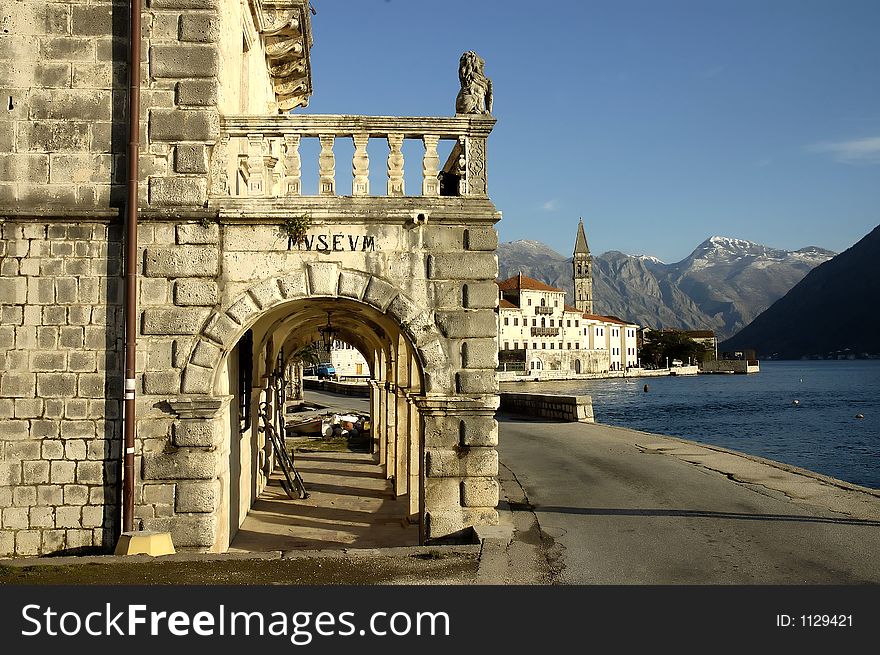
x=802 y=413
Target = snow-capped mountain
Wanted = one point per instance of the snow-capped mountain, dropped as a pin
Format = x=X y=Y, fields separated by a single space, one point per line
x=722 y=285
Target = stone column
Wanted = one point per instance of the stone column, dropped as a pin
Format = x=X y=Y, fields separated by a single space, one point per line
x=461 y=464
x=374 y=417
x=389 y=436
x=402 y=435
x=379 y=422
x=413 y=468
x=196 y=469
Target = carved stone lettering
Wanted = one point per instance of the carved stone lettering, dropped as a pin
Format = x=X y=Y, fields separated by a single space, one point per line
x=337 y=243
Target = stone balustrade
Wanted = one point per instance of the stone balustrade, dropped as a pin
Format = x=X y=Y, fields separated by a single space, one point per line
x=259 y=156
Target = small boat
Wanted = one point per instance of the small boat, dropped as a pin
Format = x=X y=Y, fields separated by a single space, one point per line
x=310 y=426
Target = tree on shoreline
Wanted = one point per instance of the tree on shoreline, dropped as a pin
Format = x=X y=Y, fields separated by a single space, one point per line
x=668 y=345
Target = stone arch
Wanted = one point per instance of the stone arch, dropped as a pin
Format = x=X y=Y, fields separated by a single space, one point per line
x=224 y=328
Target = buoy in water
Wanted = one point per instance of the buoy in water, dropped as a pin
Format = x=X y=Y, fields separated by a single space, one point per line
x=860 y=416
x=646 y=388
x=796 y=402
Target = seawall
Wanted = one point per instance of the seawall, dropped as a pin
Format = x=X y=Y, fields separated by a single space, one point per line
x=548 y=405
x=345 y=388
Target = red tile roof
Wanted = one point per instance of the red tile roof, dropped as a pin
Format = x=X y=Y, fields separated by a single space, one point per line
x=569 y=308
x=524 y=282
x=506 y=304
x=607 y=319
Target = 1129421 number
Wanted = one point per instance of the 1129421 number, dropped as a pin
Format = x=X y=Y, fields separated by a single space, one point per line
x=826 y=620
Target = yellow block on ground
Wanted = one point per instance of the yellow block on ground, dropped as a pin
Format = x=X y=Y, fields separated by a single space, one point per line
x=145 y=543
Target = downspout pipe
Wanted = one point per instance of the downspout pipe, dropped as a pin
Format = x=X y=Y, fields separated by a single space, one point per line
x=130 y=262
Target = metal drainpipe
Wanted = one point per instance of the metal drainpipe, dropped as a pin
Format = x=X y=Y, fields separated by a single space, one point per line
x=130 y=261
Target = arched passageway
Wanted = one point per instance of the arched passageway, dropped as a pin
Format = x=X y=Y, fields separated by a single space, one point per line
x=260 y=363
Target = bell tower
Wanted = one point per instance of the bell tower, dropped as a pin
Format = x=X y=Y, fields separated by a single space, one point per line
x=582 y=272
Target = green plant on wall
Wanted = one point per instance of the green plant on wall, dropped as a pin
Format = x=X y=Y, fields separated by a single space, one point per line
x=295 y=228
x=207 y=221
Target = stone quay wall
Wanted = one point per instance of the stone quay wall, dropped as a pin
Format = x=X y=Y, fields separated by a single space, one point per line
x=730 y=366
x=345 y=388
x=546 y=405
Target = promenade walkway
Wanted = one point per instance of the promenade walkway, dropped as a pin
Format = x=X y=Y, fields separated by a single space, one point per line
x=618 y=506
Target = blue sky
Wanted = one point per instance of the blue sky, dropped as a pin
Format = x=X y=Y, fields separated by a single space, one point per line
x=661 y=122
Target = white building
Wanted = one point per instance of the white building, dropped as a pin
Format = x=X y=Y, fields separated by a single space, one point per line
x=537 y=331
x=344 y=357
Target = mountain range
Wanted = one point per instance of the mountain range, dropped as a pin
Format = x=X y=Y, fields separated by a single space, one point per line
x=833 y=311
x=722 y=285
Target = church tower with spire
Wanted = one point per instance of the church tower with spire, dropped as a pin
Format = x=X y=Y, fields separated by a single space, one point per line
x=582 y=272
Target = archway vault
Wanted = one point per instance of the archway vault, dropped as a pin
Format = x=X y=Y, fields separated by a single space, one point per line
x=321 y=284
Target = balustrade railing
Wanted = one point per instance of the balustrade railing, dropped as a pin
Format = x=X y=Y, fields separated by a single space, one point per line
x=259 y=156
x=543 y=310
x=545 y=331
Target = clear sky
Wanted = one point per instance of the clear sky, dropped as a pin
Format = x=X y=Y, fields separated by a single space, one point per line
x=661 y=122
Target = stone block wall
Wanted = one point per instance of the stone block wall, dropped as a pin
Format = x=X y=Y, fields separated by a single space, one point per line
x=62 y=115
x=64 y=98
x=60 y=381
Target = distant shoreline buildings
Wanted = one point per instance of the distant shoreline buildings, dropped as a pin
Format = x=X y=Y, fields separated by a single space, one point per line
x=537 y=331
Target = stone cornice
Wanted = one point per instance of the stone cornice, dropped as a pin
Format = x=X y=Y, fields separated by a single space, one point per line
x=443 y=209
x=411 y=127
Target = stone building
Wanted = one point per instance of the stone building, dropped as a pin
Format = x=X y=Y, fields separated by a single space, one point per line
x=538 y=332
x=238 y=265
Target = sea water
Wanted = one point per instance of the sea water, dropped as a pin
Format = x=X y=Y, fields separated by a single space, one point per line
x=802 y=413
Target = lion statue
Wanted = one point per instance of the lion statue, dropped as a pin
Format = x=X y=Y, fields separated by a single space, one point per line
x=475 y=96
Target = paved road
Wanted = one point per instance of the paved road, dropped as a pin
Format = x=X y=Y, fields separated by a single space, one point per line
x=338 y=401
x=624 y=507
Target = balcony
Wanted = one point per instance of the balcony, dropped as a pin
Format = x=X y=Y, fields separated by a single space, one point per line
x=543 y=310
x=545 y=331
x=258 y=159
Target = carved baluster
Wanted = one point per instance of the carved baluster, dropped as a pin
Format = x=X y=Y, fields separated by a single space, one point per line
x=360 y=166
x=256 y=186
x=430 y=166
x=327 y=166
x=395 y=165
x=462 y=166
x=476 y=166
x=273 y=171
x=292 y=185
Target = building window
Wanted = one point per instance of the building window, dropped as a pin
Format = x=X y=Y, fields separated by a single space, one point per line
x=506 y=321
x=543 y=345
x=577 y=323
x=543 y=302
x=516 y=345
x=534 y=322
x=568 y=323
x=552 y=346
x=516 y=321
x=577 y=346
x=506 y=345
x=534 y=346
x=569 y=345
x=551 y=322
